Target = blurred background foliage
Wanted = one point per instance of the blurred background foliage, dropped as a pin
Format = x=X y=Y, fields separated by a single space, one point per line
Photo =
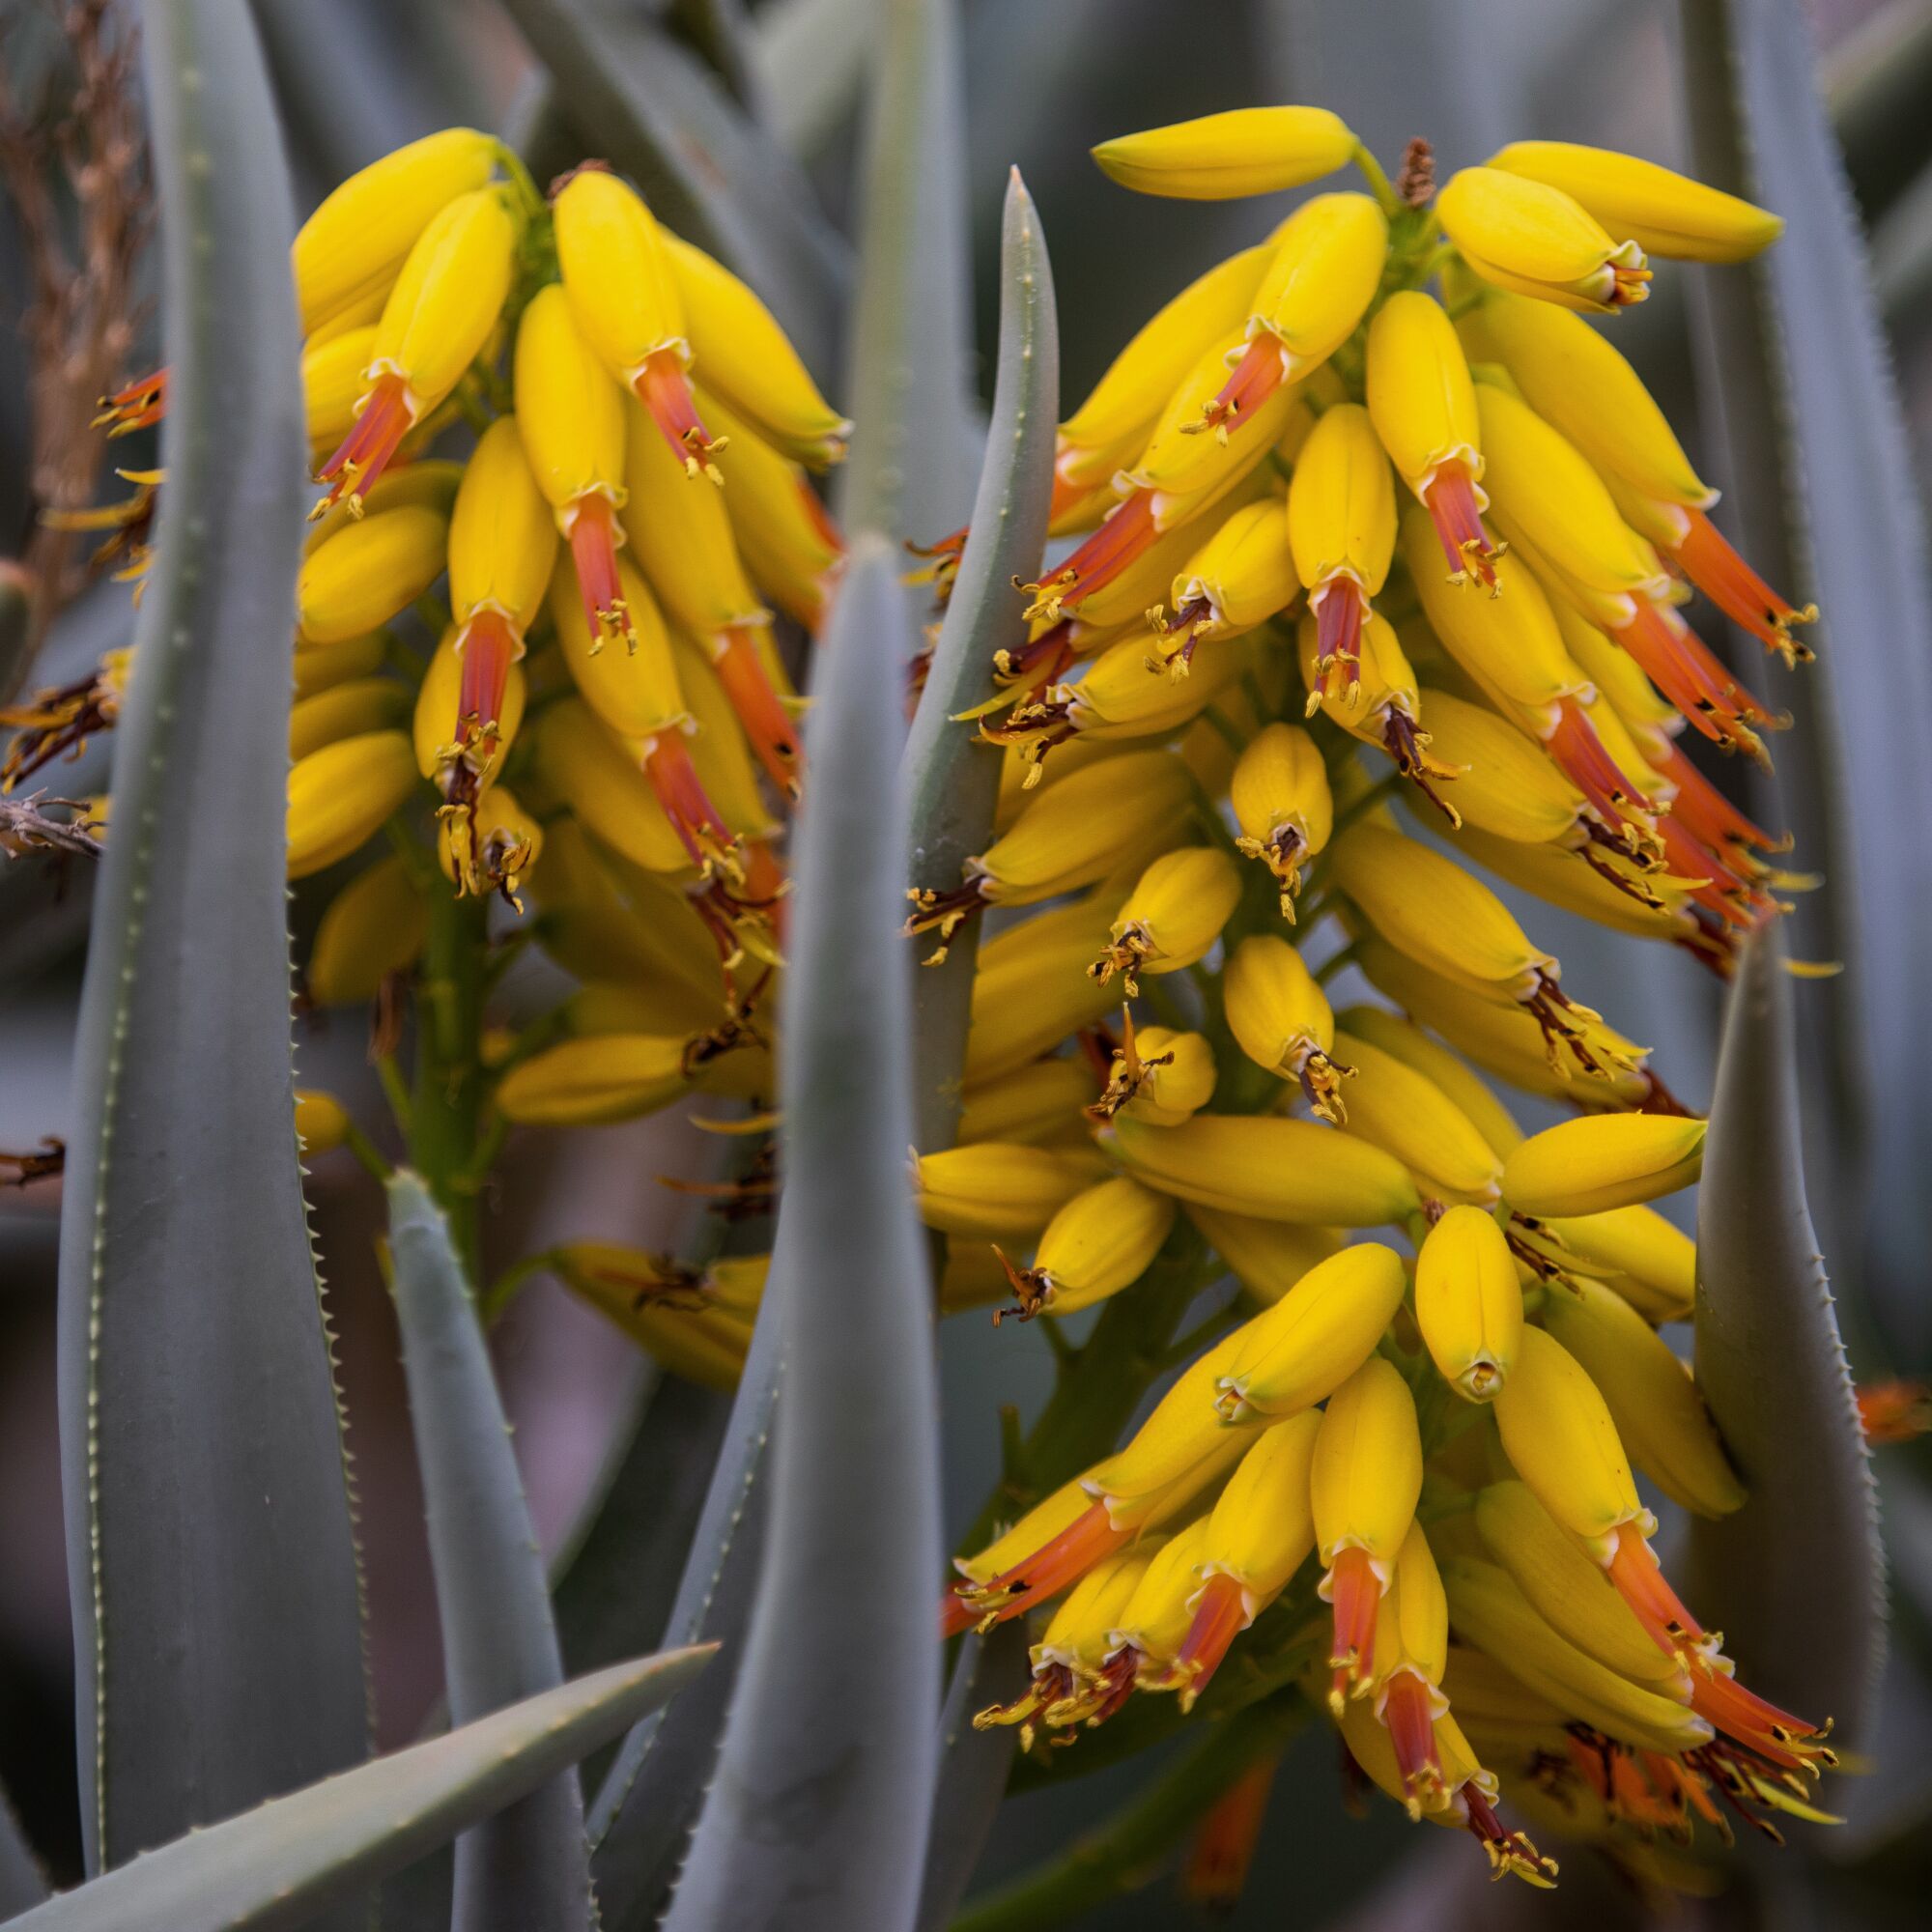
x=747 y=124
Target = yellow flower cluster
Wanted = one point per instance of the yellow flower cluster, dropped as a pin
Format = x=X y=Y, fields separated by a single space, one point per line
x=1375 y=482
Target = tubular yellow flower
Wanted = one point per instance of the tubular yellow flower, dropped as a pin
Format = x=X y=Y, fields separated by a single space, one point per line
x=1316 y=1337
x=749 y=360
x=339 y=796
x=1125 y=694
x=1040 y=1104
x=332 y=384
x=491 y=847
x=1468 y=1303
x=441 y=312
x=1557 y=1432
x=1652 y=1399
x=1584 y=1166
x=591 y=1081
x=671 y=1317
x=1185 y=1439
x=374 y=927
x=363 y=575
x=322 y=1121
x=1189 y=469
x=1245 y=151
x=342 y=710
x=355 y=241
x=571 y=416
x=1157 y=1075
x=1032 y=988
x=1282 y=805
x=437 y=701
x=1411 y=1648
x=1365 y=1479
x=636 y=693
x=1112 y=426
x=1381 y=706
x=1268 y=1258
x=586 y=765
x=1665 y=213
x=1401 y=1039
x=1096 y=1244
x=1504 y=785
x=319 y=668
x=617 y=273
x=1258 y=1535
x=1598 y=884
x=1280 y=1019
x=1652 y=1263
x=1143 y=1645
x=1173 y=916
x=1273 y=1170
x=1487 y=1609
x=1341 y=527
x=1422 y=406
x=1402 y=1111
x=1568 y=1590
x=1535 y=240
x=1242 y=576
x=999 y=1190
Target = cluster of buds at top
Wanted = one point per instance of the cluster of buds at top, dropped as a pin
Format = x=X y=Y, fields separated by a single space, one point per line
x=1377 y=488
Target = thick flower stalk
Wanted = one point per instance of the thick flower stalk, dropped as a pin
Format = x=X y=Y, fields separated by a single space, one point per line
x=1369 y=530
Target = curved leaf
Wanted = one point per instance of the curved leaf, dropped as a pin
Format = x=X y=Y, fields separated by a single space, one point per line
x=916 y=450
x=817 y=1815
x=951 y=778
x=1794 y=1578
x=528 y=1866
x=1821 y=489
x=656 y=112
x=210 y=1553
x=285 y=1862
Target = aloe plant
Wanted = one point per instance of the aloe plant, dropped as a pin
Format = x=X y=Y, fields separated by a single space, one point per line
x=1155 y=955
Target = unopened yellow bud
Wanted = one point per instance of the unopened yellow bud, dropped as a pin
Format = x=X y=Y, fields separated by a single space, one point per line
x=1655 y=1404
x=1414 y=1634
x=1281 y=1020
x=367 y=572
x=1421 y=399
x=1242 y=576
x=1505 y=785
x=1665 y=213
x=591 y=769
x=1467 y=1302
x=617 y=273
x=1537 y=240
x=748 y=360
x=1159 y=1076
x=322 y=666
x=1268 y=1258
x=374 y=927
x=339 y=796
x=1038 y=1104
x=589 y=1082
x=1572 y=376
x=1032 y=988
x=636 y=692
x=435 y=710
x=1281 y=804
x=1173 y=916
x=1341 y=503
x=1316 y=1337
x=1652 y=1263
x=1262 y=1527
x=1183 y=1443
x=682 y=537
x=1570 y=1592
x=1557 y=1432
x=683 y=1322
x=332 y=374
x=1112 y=426
x=1329 y=259
x=342 y=710
x=1599 y=1161
x=570 y=411
x=322 y=1121
x=503 y=537
x=1401 y=1039
x=1127 y=691
x=1098 y=1243
x=1272 y=1169
x=1245 y=151
x=788 y=540
x=1490 y=1611
x=446 y=299
x=1155 y=1623
x=1403 y=1112
x=1085 y=827
x=999 y=1190
x=1367 y=1470
x=354 y=243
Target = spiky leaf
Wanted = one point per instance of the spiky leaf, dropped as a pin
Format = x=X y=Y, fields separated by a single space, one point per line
x=287 y=1861
x=209 y=1557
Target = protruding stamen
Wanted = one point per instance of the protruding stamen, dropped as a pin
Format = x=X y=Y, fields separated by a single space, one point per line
x=711 y=843
x=1710 y=562
x=1062 y=1560
x=1583 y=757
x=388 y=414
x=592 y=532
x=1450 y=499
x=1219 y=1618
x=767 y=724
x=1339 y=607
x=1356 y=1592
x=1707 y=812
x=1641 y=1582
x=665 y=390
x=140 y=403
x=1127 y=532
x=1255 y=377
x=1408 y=1713
x=943 y=912
x=1508 y=1851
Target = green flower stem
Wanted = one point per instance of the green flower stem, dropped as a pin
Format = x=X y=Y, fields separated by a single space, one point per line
x=1133 y=1847
x=1380 y=184
x=445 y=1107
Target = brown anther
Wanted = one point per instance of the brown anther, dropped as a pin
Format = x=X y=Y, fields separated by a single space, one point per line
x=16 y=1170
x=1033 y=1290
x=1415 y=182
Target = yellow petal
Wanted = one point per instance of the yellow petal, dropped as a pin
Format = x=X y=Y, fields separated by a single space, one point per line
x=1245 y=151
x=1584 y=1166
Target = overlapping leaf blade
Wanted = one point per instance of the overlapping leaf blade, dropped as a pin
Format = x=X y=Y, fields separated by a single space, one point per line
x=817 y=1815
x=210 y=1561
